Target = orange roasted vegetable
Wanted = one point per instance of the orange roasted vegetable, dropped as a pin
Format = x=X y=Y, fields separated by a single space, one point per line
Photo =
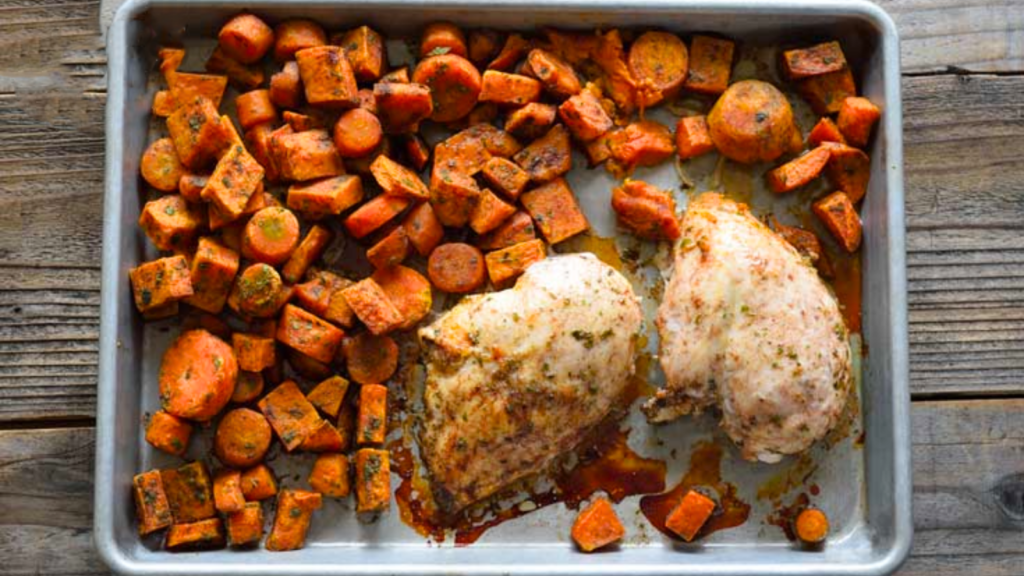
x=457 y=268
x=798 y=172
x=258 y=483
x=203 y=534
x=408 y=291
x=227 y=491
x=291 y=36
x=597 y=526
x=659 y=63
x=752 y=122
x=689 y=516
x=329 y=394
x=329 y=475
x=160 y=166
x=547 y=157
x=856 y=118
x=245 y=526
x=710 y=65
x=160 y=282
x=372 y=306
x=364 y=48
x=151 y=506
x=168 y=433
x=512 y=261
x=197 y=376
x=840 y=217
x=308 y=334
x=291 y=522
x=189 y=492
x=645 y=210
x=692 y=137
x=811 y=526
x=327 y=77
x=292 y=417
x=246 y=38
x=814 y=61
x=373 y=480
x=554 y=209
x=242 y=439
x=454 y=85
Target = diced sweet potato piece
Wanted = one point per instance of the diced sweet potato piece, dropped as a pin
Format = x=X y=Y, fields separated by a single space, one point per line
x=397 y=180
x=190 y=186
x=423 y=228
x=170 y=222
x=372 y=306
x=372 y=424
x=248 y=387
x=315 y=294
x=798 y=172
x=512 y=261
x=826 y=93
x=286 y=87
x=338 y=310
x=373 y=480
x=364 y=48
x=814 y=61
x=258 y=483
x=518 y=228
x=585 y=116
x=227 y=491
x=483 y=46
x=409 y=292
x=807 y=244
x=505 y=176
x=246 y=38
x=856 y=118
x=645 y=210
x=292 y=417
x=331 y=195
x=168 y=433
x=307 y=155
x=597 y=526
x=325 y=438
x=293 y=35
x=507 y=89
x=825 y=131
x=213 y=271
x=234 y=181
x=242 y=76
x=453 y=196
x=553 y=207
x=644 y=143
x=197 y=132
x=255 y=108
x=327 y=77
x=187 y=86
x=330 y=475
x=258 y=141
x=391 y=250
x=489 y=213
x=245 y=527
x=416 y=151
x=840 y=217
x=160 y=282
x=307 y=252
x=692 y=137
x=554 y=73
x=547 y=157
x=254 y=353
x=512 y=51
x=151 y=507
x=710 y=65
x=189 y=494
x=328 y=395
x=308 y=334
x=464 y=153
x=397 y=76
x=849 y=170
x=531 y=121
x=291 y=522
x=689 y=516
x=401 y=106
x=203 y=534
x=374 y=214
x=163 y=104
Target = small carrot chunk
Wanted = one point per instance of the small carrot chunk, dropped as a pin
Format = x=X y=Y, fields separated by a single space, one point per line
x=517 y=228
x=373 y=480
x=196 y=131
x=645 y=210
x=585 y=116
x=338 y=311
x=186 y=87
x=234 y=181
x=372 y=423
x=188 y=490
x=710 y=65
x=327 y=77
x=454 y=85
x=258 y=291
x=423 y=228
x=512 y=261
x=397 y=76
x=258 y=483
x=453 y=195
x=291 y=36
x=307 y=155
x=556 y=75
x=213 y=271
x=329 y=475
x=160 y=167
x=506 y=89
x=442 y=38
x=163 y=104
x=160 y=282
x=692 y=137
x=643 y=143
x=372 y=306
x=397 y=180
x=370 y=359
x=547 y=157
x=489 y=213
x=798 y=172
x=410 y=293
x=390 y=250
x=151 y=506
x=531 y=121
x=839 y=216
x=825 y=131
x=849 y=170
x=291 y=416
x=357 y=133
x=328 y=196
x=826 y=93
x=328 y=395
x=291 y=522
x=254 y=353
x=168 y=433
x=364 y=48
x=170 y=222
x=597 y=526
x=246 y=38
x=190 y=186
x=203 y=534
x=856 y=118
x=255 y=108
x=512 y=51
x=401 y=106
x=326 y=438
x=227 y=491
x=242 y=438
x=308 y=334
x=271 y=236
x=245 y=526
x=374 y=214
x=456 y=268
x=308 y=251
x=315 y=295
x=689 y=516
x=659 y=62
x=555 y=210
x=505 y=176
x=811 y=526
x=248 y=387
x=814 y=61
x=286 y=87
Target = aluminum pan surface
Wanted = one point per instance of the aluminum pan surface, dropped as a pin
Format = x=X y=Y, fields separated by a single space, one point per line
x=872 y=522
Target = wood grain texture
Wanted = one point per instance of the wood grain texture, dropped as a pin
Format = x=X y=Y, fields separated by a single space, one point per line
x=968 y=487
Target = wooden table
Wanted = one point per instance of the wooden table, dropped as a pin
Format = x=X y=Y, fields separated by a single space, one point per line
x=963 y=94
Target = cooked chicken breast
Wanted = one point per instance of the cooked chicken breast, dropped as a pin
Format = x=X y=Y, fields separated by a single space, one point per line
x=517 y=377
x=746 y=324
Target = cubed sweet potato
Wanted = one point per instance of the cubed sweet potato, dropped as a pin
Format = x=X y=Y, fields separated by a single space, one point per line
x=555 y=210
x=373 y=480
x=505 y=176
x=328 y=395
x=597 y=526
x=453 y=196
x=331 y=195
x=291 y=416
x=325 y=438
x=692 y=137
x=645 y=210
x=836 y=211
x=160 y=282
x=254 y=353
x=227 y=491
x=849 y=170
x=372 y=306
x=390 y=250
x=197 y=132
x=151 y=506
x=814 y=61
x=518 y=228
x=168 y=433
x=397 y=180
x=306 y=155
x=170 y=222
x=547 y=157
x=189 y=492
x=308 y=334
x=857 y=116
x=585 y=116
x=202 y=534
x=307 y=252
x=364 y=48
x=214 y=267
x=401 y=106
x=798 y=172
x=315 y=294
x=489 y=213
x=825 y=131
x=330 y=475
x=291 y=522
x=826 y=93
x=372 y=424
x=234 y=181
x=643 y=143
x=507 y=89
x=690 y=515
x=423 y=228
x=374 y=214
x=531 y=121
x=507 y=263
x=258 y=483
x=327 y=77
x=409 y=292
x=245 y=527
x=710 y=65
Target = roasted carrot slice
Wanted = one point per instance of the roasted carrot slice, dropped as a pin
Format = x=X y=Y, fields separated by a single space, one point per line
x=357 y=133
x=442 y=38
x=271 y=236
x=454 y=85
x=811 y=526
x=242 y=439
x=798 y=172
x=160 y=166
x=457 y=268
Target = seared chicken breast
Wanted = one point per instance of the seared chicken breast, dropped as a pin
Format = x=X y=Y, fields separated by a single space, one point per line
x=747 y=325
x=517 y=377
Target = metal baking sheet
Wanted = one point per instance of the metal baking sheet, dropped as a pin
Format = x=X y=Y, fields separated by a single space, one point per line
x=866 y=491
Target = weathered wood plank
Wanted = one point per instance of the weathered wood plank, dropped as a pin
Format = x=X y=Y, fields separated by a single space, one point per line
x=967 y=494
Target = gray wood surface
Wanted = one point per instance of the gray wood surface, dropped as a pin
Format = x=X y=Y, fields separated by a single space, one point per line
x=964 y=125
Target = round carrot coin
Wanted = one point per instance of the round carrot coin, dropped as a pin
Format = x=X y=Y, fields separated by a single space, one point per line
x=454 y=85
x=659 y=60
x=811 y=526
x=242 y=439
x=258 y=288
x=357 y=133
x=197 y=376
x=457 y=268
x=160 y=166
x=370 y=359
x=752 y=122
x=271 y=235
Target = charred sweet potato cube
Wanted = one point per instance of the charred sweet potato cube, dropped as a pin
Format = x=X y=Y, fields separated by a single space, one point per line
x=197 y=132
x=291 y=416
x=202 y=534
x=401 y=106
x=213 y=271
x=327 y=77
x=423 y=228
x=372 y=424
x=374 y=214
x=170 y=222
x=245 y=526
x=645 y=210
x=373 y=480
x=597 y=526
x=311 y=248
x=531 y=121
x=643 y=143
x=825 y=131
x=692 y=137
x=258 y=140
x=799 y=171
x=505 y=176
x=168 y=433
x=547 y=157
x=826 y=93
x=518 y=228
x=690 y=515
x=512 y=261
x=814 y=61
x=234 y=181
x=364 y=48
x=453 y=196
x=553 y=207
x=397 y=180
x=328 y=395
x=507 y=89
x=151 y=507
x=227 y=491
x=372 y=306
x=330 y=475
x=489 y=213
x=291 y=522
x=307 y=155
x=189 y=492
x=849 y=170
x=325 y=438
x=710 y=65
x=160 y=282
x=390 y=250
x=338 y=310
x=254 y=353
x=331 y=195
x=308 y=334
x=856 y=118
x=585 y=116
x=254 y=108
x=258 y=483
x=840 y=217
